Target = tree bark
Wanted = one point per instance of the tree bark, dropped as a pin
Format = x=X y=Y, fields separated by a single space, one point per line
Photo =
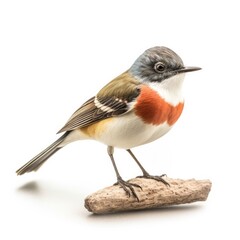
x=153 y=194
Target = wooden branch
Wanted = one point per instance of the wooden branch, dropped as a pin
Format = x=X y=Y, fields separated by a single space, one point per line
x=154 y=194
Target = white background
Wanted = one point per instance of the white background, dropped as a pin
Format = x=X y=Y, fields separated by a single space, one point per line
x=54 y=55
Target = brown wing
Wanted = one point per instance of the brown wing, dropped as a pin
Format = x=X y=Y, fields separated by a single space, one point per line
x=104 y=105
x=93 y=111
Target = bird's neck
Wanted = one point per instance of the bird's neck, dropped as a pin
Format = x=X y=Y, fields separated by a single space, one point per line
x=170 y=89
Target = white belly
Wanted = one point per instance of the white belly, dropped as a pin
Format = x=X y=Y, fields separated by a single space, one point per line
x=129 y=131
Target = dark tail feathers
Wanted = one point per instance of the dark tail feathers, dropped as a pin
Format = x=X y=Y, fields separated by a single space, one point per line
x=35 y=163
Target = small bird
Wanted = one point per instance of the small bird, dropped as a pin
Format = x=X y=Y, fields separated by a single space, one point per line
x=137 y=107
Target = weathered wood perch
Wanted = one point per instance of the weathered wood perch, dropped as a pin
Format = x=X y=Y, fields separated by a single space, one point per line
x=153 y=195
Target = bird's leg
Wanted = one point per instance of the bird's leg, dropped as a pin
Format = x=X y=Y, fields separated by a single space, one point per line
x=127 y=186
x=145 y=173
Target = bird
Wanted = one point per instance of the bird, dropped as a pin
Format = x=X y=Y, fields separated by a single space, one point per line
x=135 y=108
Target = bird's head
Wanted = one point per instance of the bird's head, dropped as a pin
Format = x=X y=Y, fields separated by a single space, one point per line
x=158 y=64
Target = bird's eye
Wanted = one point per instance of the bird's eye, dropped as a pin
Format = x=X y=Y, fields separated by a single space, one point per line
x=159 y=67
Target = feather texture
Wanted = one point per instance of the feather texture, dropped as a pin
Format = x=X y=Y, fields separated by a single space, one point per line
x=114 y=99
x=35 y=163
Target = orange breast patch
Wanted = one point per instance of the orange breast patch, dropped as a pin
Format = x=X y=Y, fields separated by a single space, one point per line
x=155 y=110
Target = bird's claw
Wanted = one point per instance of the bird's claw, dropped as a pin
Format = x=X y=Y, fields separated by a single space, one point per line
x=128 y=187
x=157 y=178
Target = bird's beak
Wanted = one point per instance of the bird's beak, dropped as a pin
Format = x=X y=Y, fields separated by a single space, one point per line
x=188 y=69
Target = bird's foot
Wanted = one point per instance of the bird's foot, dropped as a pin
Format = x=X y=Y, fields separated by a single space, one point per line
x=157 y=178
x=128 y=187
